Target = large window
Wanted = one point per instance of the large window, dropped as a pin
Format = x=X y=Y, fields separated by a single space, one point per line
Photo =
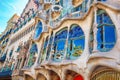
x=33 y=51
x=76 y=42
x=38 y=30
x=106 y=34
x=59 y=44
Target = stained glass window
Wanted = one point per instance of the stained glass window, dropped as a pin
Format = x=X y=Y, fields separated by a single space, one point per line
x=59 y=44
x=38 y=30
x=33 y=51
x=106 y=35
x=76 y=42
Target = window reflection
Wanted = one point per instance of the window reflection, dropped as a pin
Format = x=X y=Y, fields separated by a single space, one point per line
x=59 y=44
x=106 y=36
x=38 y=30
x=75 y=42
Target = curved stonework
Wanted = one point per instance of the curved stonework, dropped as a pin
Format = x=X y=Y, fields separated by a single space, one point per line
x=27 y=77
x=71 y=75
x=41 y=77
x=101 y=73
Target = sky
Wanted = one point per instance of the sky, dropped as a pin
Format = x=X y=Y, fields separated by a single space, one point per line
x=8 y=8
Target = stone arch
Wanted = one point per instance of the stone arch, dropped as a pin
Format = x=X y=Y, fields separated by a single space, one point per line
x=53 y=75
x=104 y=73
x=72 y=75
x=41 y=77
x=28 y=77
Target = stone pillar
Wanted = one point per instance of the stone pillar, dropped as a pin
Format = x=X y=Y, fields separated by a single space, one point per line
x=95 y=30
x=22 y=63
x=66 y=44
x=51 y=52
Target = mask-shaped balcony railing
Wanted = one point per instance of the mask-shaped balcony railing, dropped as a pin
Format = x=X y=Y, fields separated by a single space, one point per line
x=56 y=11
x=76 y=3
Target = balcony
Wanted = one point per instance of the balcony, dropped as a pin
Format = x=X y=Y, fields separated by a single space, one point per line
x=24 y=22
x=56 y=11
x=5 y=73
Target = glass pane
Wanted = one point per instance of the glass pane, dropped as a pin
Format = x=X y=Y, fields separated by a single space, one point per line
x=59 y=45
x=109 y=34
x=75 y=43
x=38 y=30
x=106 y=34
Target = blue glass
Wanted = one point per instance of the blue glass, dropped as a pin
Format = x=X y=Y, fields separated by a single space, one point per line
x=10 y=53
x=38 y=30
x=110 y=34
x=18 y=49
x=99 y=35
x=76 y=42
x=7 y=73
x=106 y=19
x=106 y=34
x=59 y=45
x=99 y=19
x=2 y=59
x=75 y=32
x=33 y=49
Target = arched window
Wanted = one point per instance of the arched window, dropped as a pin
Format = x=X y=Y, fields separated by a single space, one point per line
x=106 y=34
x=59 y=44
x=38 y=30
x=76 y=42
x=49 y=46
x=32 y=57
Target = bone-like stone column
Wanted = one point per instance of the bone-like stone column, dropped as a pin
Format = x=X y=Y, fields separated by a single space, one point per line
x=95 y=31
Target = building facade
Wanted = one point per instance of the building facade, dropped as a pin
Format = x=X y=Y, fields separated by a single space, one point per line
x=65 y=40
x=4 y=46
